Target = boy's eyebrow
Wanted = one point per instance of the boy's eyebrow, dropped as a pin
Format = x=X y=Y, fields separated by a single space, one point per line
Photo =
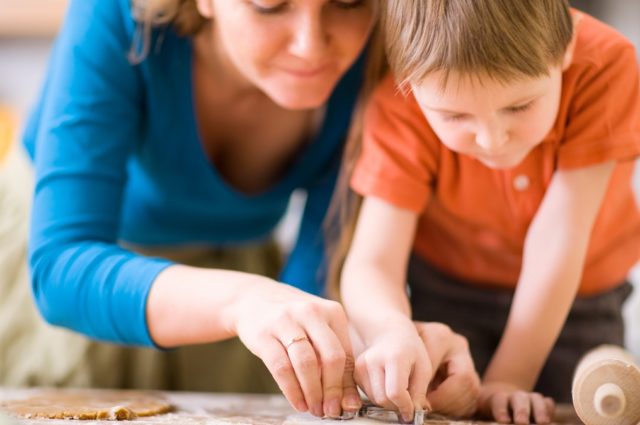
x=522 y=101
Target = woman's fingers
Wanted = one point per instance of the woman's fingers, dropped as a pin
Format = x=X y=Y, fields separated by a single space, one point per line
x=307 y=348
x=277 y=361
x=351 y=401
x=302 y=356
x=340 y=326
x=332 y=359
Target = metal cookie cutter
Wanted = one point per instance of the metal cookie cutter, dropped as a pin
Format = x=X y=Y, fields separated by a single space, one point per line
x=381 y=414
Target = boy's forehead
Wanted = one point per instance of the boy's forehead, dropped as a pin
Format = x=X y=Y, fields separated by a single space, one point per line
x=437 y=92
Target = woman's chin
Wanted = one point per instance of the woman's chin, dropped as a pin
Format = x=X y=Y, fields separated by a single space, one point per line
x=300 y=98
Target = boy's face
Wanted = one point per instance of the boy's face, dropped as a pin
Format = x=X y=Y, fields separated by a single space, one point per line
x=496 y=123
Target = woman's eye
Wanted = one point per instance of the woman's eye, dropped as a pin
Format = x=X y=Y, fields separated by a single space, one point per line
x=348 y=4
x=268 y=9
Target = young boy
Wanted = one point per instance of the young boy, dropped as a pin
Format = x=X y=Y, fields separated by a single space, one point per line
x=496 y=164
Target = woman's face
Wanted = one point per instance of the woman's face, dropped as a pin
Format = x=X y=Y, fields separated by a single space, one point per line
x=295 y=51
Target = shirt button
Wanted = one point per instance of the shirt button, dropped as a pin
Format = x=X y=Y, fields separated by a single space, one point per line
x=521 y=182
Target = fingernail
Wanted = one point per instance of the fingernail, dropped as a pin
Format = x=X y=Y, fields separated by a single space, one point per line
x=333 y=409
x=316 y=410
x=407 y=418
x=301 y=407
x=352 y=402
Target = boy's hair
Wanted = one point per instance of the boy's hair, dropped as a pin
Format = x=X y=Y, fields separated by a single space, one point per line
x=500 y=39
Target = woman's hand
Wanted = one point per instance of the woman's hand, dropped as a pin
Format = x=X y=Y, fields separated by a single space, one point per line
x=455 y=387
x=504 y=402
x=394 y=370
x=304 y=342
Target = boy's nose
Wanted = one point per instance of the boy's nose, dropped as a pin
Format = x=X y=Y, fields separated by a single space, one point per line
x=491 y=139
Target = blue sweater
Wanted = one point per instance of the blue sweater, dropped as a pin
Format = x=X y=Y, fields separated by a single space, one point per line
x=118 y=158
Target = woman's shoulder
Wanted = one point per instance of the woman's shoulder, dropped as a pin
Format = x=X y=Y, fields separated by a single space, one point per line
x=93 y=16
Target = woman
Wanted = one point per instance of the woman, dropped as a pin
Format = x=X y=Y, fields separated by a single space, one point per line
x=155 y=181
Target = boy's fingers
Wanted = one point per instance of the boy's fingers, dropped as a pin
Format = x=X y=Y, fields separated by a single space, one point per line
x=500 y=407
x=551 y=406
x=396 y=386
x=521 y=407
x=541 y=413
x=363 y=380
x=378 y=386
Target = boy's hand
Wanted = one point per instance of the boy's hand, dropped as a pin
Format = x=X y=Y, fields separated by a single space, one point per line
x=504 y=402
x=394 y=370
x=455 y=387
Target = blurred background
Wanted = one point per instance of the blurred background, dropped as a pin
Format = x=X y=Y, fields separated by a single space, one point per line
x=27 y=29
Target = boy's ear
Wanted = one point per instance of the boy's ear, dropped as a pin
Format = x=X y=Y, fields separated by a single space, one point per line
x=568 y=54
x=205 y=8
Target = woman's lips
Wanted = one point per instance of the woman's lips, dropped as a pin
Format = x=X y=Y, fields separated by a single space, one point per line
x=307 y=72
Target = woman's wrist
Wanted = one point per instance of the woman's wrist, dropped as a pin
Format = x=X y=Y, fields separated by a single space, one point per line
x=188 y=305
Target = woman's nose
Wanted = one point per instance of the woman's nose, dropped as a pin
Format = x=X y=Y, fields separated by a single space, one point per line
x=309 y=38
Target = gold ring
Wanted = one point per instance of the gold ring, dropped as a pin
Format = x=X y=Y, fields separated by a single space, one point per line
x=296 y=339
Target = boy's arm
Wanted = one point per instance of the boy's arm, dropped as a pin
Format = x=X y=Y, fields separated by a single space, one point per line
x=400 y=356
x=373 y=283
x=553 y=262
x=373 y=289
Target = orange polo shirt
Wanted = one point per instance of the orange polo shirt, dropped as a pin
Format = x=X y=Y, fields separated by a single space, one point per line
x=473 y=219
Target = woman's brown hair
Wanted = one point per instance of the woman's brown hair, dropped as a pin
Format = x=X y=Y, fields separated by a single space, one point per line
x=183 y=15
x=345 y=205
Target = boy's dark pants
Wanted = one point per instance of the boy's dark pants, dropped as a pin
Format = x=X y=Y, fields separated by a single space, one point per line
x=480 y=314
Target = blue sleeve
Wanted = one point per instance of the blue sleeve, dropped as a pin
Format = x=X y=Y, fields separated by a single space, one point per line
x=88 y=124
x=306 y=267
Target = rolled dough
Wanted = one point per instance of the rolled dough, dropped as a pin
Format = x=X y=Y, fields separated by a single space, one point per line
x=88 y=405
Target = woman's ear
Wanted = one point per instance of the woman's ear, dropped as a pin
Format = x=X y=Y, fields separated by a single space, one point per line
x=205 y=8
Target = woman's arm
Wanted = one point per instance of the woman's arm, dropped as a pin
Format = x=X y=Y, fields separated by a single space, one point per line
x=554 y=256
x=88 y=124
x=298 y=336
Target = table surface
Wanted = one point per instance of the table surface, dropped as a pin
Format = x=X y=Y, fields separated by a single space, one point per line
x=224 y=409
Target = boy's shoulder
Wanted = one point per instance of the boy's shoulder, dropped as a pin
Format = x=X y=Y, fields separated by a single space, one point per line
x=599 y=44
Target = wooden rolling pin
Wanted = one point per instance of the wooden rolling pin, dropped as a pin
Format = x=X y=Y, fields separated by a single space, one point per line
x=606 y=387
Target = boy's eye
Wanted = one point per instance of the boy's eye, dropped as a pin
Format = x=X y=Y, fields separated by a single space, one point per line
x=455 y=117
x=519 y=108
x=266 y=8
